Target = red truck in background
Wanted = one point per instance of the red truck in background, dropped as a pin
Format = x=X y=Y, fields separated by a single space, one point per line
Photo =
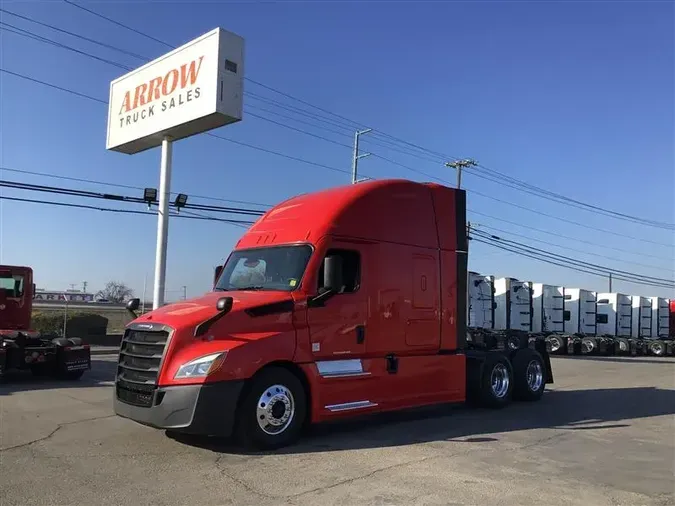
x=333 y=304
x=22 y=348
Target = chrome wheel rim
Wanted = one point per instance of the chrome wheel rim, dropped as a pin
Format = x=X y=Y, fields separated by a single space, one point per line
x=657 y=349
x=556 y=344
x=500 y=380
x=275 y=410
x=535 y=375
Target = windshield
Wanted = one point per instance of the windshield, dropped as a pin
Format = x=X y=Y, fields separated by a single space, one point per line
x=11 y=286
x=275 y=268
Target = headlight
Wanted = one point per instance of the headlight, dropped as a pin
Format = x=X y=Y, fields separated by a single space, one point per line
x=201 y=366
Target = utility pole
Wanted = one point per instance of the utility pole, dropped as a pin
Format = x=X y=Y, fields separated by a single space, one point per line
x=610 y=282
x=459 y=165
x=72 y=287
x=184 y=292
x=357 y=156
x=84 y=286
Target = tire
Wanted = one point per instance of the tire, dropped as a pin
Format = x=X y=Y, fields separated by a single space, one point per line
x=621 y=346
x=41 y=370
x=589 y=346
x=657 y=348
x=558 y=344
x=496 y=381
x=529 y=371
x=290 y=402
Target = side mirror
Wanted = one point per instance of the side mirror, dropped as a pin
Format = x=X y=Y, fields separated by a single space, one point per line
x=216 y=275
x=133 y=305
x=332 y=281
x=224 y=304
x=332 y=273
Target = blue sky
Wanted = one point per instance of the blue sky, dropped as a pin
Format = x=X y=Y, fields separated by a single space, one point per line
x=574 y=97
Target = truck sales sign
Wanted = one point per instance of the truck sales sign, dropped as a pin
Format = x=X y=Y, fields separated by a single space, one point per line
x=192 y=89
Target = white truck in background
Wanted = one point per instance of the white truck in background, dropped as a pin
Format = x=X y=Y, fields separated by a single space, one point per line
x=573 y=320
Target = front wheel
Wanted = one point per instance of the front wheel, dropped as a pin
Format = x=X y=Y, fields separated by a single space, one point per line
x=273 y=410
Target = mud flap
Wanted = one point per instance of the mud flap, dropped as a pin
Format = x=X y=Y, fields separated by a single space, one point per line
x=73 y=358
x=540 y=346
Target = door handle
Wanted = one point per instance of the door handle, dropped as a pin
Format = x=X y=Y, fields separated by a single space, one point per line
x=360 y=334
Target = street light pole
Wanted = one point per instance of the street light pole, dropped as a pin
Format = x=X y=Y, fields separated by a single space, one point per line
x=459 y=165
x=356 y=156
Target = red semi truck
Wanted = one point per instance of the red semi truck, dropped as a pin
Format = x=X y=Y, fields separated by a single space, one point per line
x=338 y=303
x=22 y=348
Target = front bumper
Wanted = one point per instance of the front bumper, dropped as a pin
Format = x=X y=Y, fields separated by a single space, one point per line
x=207 y=409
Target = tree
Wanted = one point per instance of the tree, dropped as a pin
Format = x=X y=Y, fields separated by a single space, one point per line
x=116 y=292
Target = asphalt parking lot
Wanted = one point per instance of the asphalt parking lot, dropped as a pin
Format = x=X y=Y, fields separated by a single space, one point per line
x=603 y=435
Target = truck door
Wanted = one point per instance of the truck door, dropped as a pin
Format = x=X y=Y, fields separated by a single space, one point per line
x=337 y=328
x=423 y=329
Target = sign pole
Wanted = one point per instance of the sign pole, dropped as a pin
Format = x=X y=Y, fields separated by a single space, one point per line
x=162 y=223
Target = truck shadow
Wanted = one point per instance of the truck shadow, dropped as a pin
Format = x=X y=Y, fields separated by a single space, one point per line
x=565 y=410
x=102 y=374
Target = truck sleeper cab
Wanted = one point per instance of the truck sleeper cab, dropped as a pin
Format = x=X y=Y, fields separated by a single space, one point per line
x=337 y=303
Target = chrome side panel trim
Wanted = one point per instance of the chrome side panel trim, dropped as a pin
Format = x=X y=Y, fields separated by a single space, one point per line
x=341 y=368
x=351 y=405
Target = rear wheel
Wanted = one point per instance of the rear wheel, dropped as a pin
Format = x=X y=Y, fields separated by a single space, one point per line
x=657 y=348
x=496 y=381
x=529 y=373
x=273 y=410
x=589 y=345
x=558 y=344
x=621 y=346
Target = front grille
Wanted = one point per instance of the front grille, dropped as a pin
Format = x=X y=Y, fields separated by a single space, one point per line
x=140 y=356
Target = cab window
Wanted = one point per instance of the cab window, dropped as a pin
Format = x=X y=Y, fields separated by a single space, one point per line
x=351 y=269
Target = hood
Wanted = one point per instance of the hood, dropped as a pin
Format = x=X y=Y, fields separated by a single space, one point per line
x=192 y=312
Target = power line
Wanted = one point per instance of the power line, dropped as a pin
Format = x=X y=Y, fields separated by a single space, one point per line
x=129 y=187
x=656 y=224
x=545 y=194
x=76 y=35
x=328 y=167
x=240 y=143
x=507 y=232
x=72 y=92
x=563 y=236
x=118 y=23
x=561 y=263
x=122 y=198
x=604 y=246
x=569 y=261
x=31 y=35
x=123 y=211
x=520 y=185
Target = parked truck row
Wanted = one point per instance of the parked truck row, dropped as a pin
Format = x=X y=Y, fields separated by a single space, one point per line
x=338 y=303
x=573 y=320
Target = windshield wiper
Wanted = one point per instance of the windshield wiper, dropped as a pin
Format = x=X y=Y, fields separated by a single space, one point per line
x=252 y=287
